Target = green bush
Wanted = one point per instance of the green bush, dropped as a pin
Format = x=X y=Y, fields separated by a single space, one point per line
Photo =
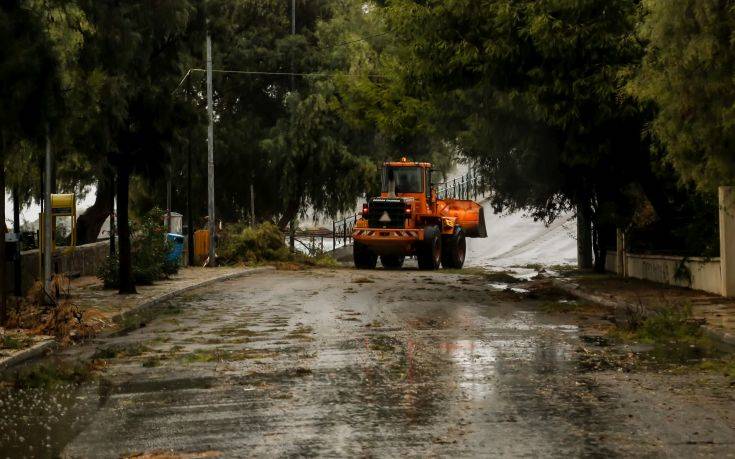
x=242 y=243
x=673 y=324
x=321 y=260
x=109 y=272
x=149 y=249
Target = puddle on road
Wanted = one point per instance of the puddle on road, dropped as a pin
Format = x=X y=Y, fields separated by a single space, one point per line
x=40 y=421
x=504 y=286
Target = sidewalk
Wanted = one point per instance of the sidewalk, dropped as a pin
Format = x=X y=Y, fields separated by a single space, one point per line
x=88 y=293
x=716 y=312
x=111 y=308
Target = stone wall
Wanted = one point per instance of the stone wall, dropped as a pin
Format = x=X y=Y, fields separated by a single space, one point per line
x=84 y=260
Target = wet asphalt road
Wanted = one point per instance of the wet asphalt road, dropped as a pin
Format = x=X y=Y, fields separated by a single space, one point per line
x=347 y=363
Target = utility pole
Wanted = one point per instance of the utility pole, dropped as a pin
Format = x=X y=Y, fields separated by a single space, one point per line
x=17 y=288
x=210 y=159
x=47 y=226
x=293 y=32
x=292 y=223
x=189 y=217
x=252 y=203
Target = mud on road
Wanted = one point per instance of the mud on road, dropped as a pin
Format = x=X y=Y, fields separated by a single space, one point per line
x=343 y=363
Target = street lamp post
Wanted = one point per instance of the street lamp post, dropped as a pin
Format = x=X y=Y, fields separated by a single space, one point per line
x=292 y=223
x=210 y=159
x=47 y=226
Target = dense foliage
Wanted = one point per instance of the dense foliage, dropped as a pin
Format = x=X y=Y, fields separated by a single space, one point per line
x=619 y=109
x=241 y=243
x=150 y=250
x=539 y=95
x=687 y=73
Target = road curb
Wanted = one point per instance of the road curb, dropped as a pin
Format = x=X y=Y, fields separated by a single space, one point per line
x=577 y=291
x=40 y=348
x=27 y=354
x=609 y=302
x=719 y=335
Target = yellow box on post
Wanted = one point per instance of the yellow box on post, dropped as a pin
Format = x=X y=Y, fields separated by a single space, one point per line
x=62 y=205
x=201 y=246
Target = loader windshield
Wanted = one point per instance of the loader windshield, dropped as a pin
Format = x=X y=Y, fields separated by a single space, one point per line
x=407 y=179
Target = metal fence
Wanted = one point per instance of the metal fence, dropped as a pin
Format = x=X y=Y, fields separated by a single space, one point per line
x=468 y=186
x=342 y=231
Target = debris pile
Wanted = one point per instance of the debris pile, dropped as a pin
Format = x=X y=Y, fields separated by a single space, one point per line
x=64 y=320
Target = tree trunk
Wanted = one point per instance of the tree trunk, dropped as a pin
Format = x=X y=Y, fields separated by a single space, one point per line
x=127 y=284
x=598 y=246
x=91 y=221
x=189 y=212
x=111 y=210
x=287 y=223
x=292 y=210
x=17 y=278
x=3 y=283
x=584 y=236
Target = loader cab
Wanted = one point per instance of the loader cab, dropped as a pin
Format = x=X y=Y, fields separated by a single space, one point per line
x=403 y=180
x=408 y=179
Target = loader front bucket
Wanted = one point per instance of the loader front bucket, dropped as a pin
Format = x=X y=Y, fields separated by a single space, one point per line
x=481 y=231
x=470 y=216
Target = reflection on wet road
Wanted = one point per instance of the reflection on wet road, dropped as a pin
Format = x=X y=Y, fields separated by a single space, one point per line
x=331 y=362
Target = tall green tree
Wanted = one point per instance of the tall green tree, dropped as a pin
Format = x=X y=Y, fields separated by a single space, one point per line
x=387 y=118
x=533 y=92
x=687 y=74
x=255 y=140
x=29 y=92
x=136 y=56
x=318 y=169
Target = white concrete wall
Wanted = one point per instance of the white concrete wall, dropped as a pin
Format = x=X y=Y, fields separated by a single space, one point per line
x=611 y=261
x=704 y=272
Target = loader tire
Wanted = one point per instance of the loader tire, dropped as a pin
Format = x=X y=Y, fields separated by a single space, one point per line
x=363 y=257
x=392 y=261
x=429 y=251
x=454 y=248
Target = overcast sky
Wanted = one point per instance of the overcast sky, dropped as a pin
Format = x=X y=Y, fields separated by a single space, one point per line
x=30 y=213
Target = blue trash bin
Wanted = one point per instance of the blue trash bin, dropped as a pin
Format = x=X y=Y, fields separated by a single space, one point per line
x=177 y=247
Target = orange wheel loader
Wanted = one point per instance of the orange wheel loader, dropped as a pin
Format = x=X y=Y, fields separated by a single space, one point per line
x=408 y=219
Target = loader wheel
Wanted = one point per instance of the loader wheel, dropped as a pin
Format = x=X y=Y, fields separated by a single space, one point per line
x=454 y=248
x=364 y=258
x=392 y=261
x=429 y=253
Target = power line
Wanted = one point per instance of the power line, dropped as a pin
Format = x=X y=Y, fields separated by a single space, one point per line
x=255 y=72
x=321 y=74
